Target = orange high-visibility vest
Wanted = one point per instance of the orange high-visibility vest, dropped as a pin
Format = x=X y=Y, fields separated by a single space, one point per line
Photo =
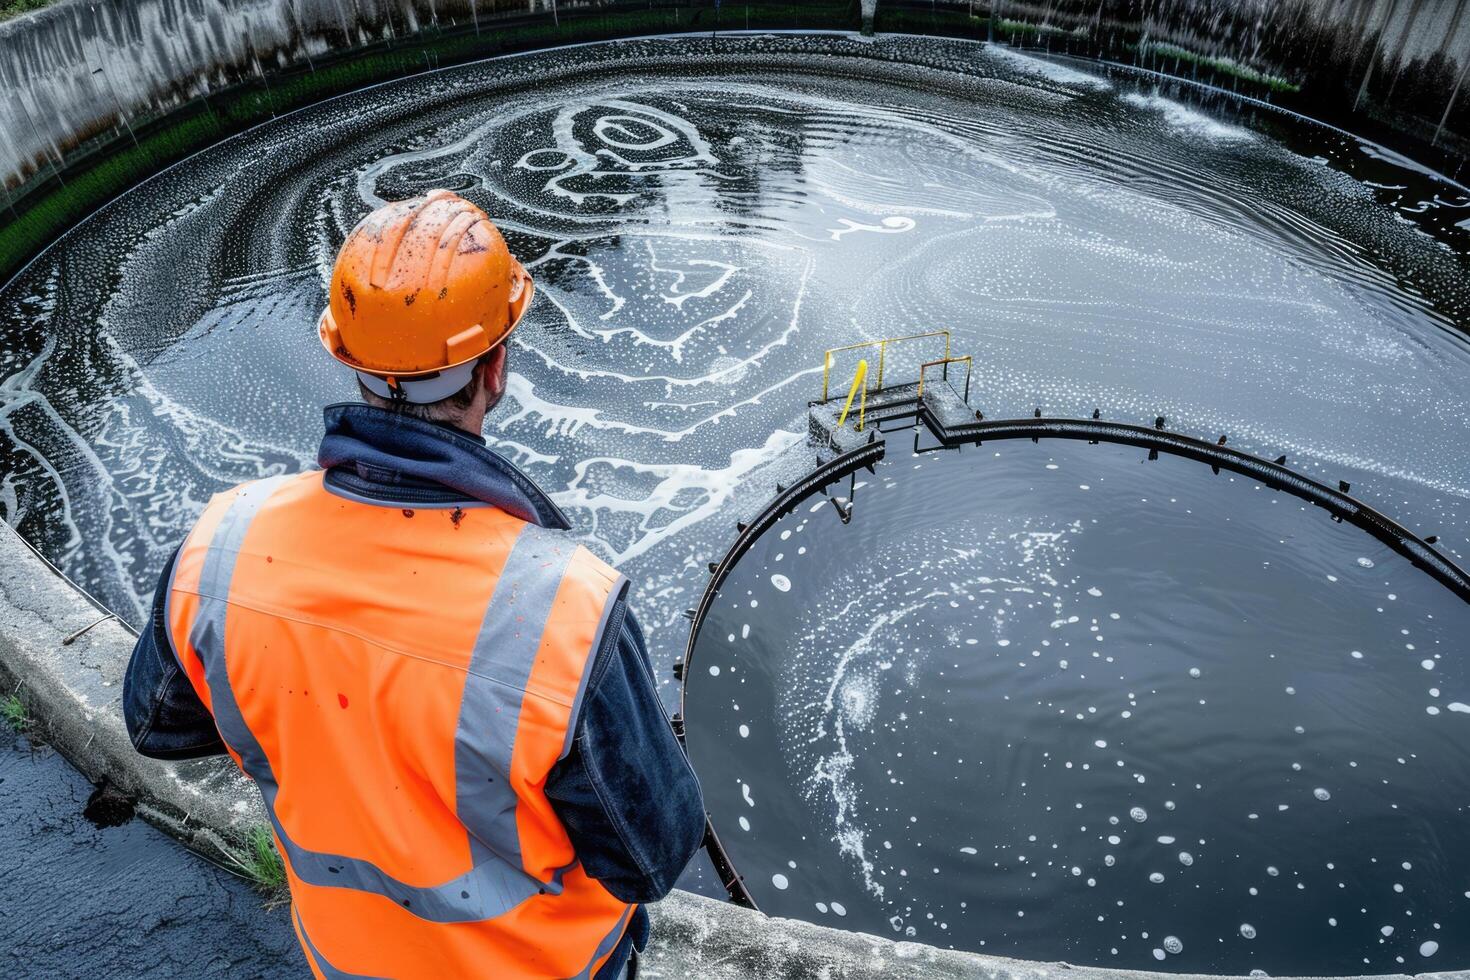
x=399 y=683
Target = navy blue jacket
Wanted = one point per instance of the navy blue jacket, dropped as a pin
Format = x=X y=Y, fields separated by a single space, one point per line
x=630 y=803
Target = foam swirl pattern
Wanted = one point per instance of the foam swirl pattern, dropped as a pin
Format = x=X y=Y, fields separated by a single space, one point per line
x=702 y=229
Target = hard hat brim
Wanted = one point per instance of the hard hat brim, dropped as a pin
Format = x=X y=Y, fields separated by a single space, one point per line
x=327 y=330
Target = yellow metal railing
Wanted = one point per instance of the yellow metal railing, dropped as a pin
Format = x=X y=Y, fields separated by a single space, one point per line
x=947 y=361
x=882 y=346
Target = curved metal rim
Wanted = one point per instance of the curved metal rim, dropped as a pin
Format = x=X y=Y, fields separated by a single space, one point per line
x=1277 y=476
x=1272 y=474
x=785 y=499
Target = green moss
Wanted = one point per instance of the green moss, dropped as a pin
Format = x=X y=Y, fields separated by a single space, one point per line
x=258 y=862
x=13 y=712
x=1223 y=66
x=14 y=8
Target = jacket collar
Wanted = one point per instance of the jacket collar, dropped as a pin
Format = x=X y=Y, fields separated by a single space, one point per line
x=391 y=458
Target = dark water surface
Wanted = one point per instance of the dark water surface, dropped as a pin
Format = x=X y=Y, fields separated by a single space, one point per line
x=78 y=900
x=1057 y=701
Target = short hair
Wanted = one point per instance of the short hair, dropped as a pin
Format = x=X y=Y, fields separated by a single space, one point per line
x=450 y=409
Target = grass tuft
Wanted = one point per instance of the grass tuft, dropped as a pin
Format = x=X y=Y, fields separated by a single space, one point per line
x=14 y=8
x=14 y=713
x=258 y=862
x=1225 y=66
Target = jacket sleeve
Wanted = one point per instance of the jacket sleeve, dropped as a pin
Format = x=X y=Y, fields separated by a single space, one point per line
x=625 y=792
x=165 y=718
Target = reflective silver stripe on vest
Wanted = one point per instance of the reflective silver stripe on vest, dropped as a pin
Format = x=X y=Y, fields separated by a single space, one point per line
x=321 y=962
x=490 y=712
x=608 y=944
x=493 y=886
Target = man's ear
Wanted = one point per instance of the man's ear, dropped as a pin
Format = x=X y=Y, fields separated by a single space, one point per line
x=492 y=374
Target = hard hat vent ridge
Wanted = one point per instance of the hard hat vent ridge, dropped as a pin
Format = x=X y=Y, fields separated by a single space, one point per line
x=420 y=286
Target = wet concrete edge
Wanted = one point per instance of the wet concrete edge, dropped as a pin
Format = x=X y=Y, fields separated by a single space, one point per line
x=75 y=694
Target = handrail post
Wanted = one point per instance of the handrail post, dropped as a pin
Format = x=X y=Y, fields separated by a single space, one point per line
x=859 y=381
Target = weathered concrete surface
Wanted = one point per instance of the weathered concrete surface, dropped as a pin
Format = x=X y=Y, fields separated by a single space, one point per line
x=75 y=691
x=81 y=68
x=699 y=937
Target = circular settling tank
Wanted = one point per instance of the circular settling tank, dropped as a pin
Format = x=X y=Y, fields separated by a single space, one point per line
x=1058 y=701
x=703 y=222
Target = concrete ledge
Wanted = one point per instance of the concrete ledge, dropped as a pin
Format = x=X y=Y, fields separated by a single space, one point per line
x=75 y=692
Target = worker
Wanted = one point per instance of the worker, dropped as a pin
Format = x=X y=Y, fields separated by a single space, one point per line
x=444 y=700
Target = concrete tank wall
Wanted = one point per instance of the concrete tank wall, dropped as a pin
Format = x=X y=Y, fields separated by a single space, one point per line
x=1399 y=64
x=95 y=95
x=83 y=68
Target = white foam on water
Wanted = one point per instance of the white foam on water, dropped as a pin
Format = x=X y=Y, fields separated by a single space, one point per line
x=1188 y=120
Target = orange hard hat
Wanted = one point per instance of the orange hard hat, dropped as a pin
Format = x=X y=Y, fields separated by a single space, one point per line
x=421 y=290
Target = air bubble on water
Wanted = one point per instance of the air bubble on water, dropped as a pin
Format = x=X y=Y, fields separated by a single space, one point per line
x=1247 y=930
x=1166 y=840
x=1194 y=672
x=744 y=824
x=1428 y=948
x=1138 y=813
x=779 y=880
x=1387 y=931
x=1185 y=858
x=1158 y=953
x=1094 y=591
x=1427 y=664
x=1100 y=743
x=1366 y=562
x=745 y=731
x=1156 y=877
x=745 y=792
x=822 y=907
x=839 y=908
x=714 y=670
x=1321 y=794
x=1173 y=945
x=781 y=582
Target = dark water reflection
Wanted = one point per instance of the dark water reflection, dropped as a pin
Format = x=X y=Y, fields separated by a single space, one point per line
x=1055 y=701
